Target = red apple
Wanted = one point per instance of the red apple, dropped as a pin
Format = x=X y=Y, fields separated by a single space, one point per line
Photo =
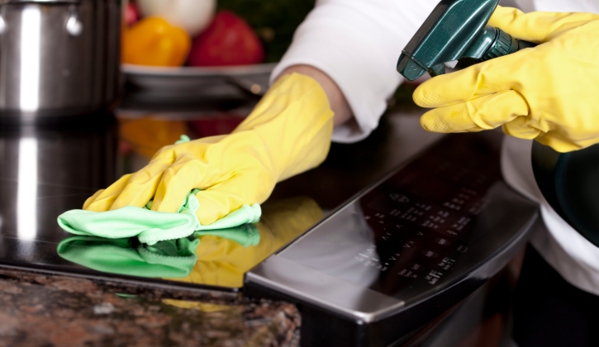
x=228 y=40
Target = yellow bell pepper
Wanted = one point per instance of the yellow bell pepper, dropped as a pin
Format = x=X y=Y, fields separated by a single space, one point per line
x=153 y=41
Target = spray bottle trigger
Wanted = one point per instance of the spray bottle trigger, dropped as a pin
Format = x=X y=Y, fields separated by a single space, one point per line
x=438 y=69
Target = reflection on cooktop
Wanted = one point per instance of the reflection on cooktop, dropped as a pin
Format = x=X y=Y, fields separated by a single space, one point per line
x=81 y=153
x=48 y=169
x=215 y=257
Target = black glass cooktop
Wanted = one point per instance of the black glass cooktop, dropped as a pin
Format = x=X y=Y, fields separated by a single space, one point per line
x=50 y=168
x=386 y=233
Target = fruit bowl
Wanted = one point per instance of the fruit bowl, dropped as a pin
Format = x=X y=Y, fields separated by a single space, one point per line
x=211 y=79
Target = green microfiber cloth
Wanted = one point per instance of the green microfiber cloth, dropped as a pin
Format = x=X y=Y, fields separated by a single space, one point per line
x=172 y=258
x=151 y=226
x=127 y=256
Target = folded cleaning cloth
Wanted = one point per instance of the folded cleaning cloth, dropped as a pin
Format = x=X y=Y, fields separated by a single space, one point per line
x=166 y=259
x=151 y=227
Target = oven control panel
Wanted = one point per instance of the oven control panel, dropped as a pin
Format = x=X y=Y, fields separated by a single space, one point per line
x=422 y=217
x=442 y=223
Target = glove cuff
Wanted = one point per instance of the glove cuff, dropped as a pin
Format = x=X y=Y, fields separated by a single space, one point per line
x=295 y=121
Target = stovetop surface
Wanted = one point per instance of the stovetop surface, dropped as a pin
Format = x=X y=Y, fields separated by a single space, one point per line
x=50 y=168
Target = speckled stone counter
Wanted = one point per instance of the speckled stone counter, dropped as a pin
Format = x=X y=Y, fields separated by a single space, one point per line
x=48 y=310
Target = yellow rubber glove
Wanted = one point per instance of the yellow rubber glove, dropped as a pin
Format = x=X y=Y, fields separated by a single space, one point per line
x=547 y=93
x=288 y=132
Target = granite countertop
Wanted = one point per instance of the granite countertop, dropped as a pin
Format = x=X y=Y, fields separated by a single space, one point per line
x=49 y=310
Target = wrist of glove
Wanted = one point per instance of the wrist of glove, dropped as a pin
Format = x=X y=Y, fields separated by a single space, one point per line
x=545 y=93
x=288 y=132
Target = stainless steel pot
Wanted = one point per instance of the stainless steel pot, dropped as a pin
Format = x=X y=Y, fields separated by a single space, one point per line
x=58 y=57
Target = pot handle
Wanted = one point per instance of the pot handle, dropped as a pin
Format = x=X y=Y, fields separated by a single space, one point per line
x=5 y=2
x=73 y=25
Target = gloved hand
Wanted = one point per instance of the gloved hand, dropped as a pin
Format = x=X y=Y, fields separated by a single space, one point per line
x=288 y=132
x=547 y=93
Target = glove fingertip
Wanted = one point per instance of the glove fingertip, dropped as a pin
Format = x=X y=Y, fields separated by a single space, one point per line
x=207 y=218
x=435 y=92
x=421 y=96
x=431 y=122
x=503 y=16
x=89 y=201
x=169 y=198
x=162 y=205
x=214 y=206
x=131 y=197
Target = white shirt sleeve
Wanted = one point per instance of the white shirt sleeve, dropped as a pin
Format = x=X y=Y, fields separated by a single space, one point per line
x=558 y=5
x=357 y=44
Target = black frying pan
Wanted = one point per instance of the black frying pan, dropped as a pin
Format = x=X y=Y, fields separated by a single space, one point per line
x=570 y=183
